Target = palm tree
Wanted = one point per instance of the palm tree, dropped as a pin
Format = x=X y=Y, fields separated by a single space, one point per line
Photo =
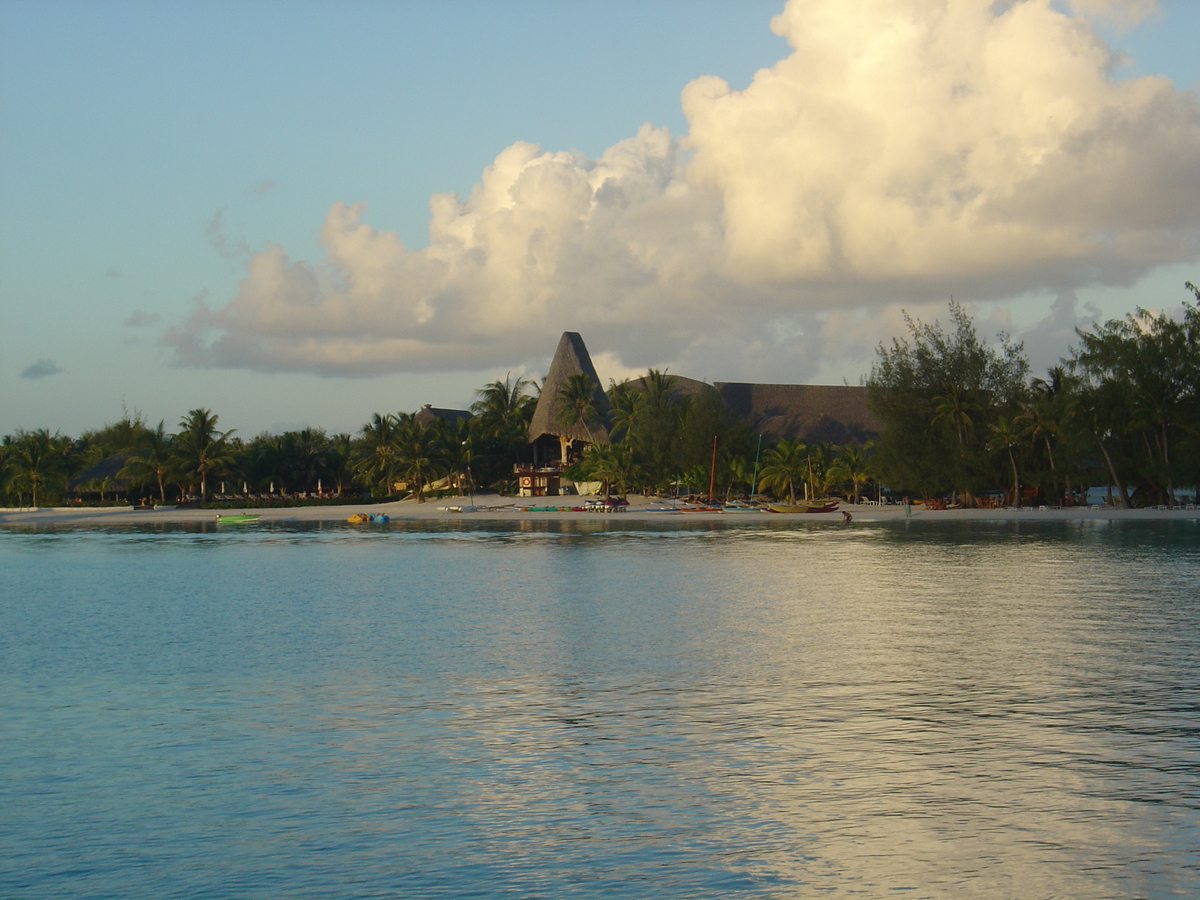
x=819 y=455
x=953 y=407
x=852 y=465
x=375 y=456
x=203 y=450
x=338 y=462
x=38 y=460
x=611 y=464
x=627 y=409
x=739 y=471
x=416 y=452
x=659 y=388
x=784 y=466
x=1007 y=433
x=153 y=456
x=456 y=449
x=502 y=405
x=577 y=397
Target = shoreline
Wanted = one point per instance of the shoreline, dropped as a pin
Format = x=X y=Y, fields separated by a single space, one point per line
x=491 y=507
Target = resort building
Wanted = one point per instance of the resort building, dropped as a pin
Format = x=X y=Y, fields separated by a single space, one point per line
x=560 y=429
x=427 y=415
x=572 y=408
x=830 y=413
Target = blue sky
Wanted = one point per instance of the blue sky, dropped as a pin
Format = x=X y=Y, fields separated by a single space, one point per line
x=151 y=152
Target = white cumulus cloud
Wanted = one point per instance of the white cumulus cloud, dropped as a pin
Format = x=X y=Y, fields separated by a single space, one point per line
x=903 y=151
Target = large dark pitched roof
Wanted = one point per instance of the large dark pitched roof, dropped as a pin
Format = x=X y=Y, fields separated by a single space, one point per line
x=571 y=358
x=427 y=414
x=681 y=386
x=809 y=412
x=109 y=467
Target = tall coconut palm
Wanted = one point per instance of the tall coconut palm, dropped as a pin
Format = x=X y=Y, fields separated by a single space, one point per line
x=203 y=449
x=456 y=447
x=338 y=462
x=659 y=388
x=417 y=456
x=152 y=456
x=38 y=460
x=627 y=406
x=305 y=456
x=502 y=406
x=375 y=455
x=784 y=466
x=1006 y=434
x=852 y=465
x=577 y=403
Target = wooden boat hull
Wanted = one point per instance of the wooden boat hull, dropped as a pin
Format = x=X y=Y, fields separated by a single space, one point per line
x=803 y=507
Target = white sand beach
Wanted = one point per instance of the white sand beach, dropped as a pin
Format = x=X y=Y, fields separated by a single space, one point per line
x=495 y=507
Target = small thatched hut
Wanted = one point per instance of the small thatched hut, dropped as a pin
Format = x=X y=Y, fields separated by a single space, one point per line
x=556 y=429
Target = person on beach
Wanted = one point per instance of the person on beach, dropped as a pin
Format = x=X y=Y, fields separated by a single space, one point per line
x=846 y=517
x=907 y=507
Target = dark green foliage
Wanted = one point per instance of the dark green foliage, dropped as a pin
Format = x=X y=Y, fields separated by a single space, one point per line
x=37 y=464
x=957 y=415
x=1139 y=395
x=937 y=399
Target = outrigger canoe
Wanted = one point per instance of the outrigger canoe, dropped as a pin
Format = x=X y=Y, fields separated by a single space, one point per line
x=237 y=520
x=830 y=506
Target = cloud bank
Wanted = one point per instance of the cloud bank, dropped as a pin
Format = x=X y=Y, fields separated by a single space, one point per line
x=903 y=151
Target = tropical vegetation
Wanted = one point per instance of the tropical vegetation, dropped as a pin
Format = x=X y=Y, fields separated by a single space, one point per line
x=961 y=421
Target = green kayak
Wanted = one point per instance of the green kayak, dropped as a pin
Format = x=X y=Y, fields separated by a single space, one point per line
x=236 y=520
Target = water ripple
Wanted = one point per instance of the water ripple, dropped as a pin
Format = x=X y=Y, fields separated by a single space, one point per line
x=637 y=711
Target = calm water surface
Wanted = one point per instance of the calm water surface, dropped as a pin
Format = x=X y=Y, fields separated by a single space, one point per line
x=590 y=710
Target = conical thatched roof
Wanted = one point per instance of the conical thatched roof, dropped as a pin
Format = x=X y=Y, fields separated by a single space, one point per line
x=571 y=358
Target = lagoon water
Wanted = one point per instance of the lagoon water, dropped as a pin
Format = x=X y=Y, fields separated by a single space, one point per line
x=586 y=710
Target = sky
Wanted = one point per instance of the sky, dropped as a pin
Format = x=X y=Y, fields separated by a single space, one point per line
x=300 y=213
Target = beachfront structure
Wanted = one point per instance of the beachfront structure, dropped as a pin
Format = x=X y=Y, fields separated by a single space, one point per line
x=428 y=414
x=558 y=431
x=814 y=413
x=103 y=476
x=830 y=413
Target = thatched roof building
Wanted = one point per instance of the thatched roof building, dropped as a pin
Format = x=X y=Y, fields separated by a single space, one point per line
x=682 y=387
x=551 y=418
x=428 y=414
x=836 y=414
x=809 y=412
x=106 y=472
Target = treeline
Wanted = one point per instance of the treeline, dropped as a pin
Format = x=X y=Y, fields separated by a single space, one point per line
x=191 y=463
x=961 y=422
x=960 y=418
